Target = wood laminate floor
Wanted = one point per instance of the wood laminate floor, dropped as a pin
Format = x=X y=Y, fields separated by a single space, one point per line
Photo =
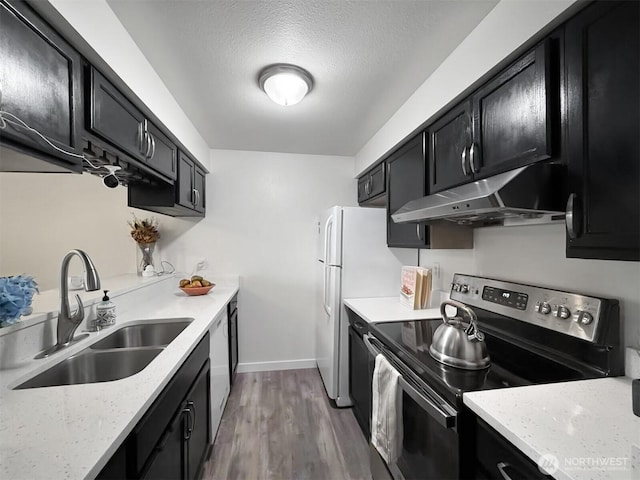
x=280 y=426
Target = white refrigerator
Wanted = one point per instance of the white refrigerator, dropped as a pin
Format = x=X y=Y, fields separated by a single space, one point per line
x=353 y=262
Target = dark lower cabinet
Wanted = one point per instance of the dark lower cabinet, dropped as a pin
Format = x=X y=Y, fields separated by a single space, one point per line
x=40 y=85
x=603 y=151
x=406 y=181
x=361 y=364
x=497 y=459
x=232 y=310
x=172 y=439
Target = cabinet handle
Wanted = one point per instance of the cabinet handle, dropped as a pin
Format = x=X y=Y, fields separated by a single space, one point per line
x=192 y=412
x=418 y=232
x=141 y=138
x=153 y=146
x=463 y=157
x=194 y=197
x=472 y=158
x=367 y=186
x=573 y=217
x=502 y=468
x=189 y=427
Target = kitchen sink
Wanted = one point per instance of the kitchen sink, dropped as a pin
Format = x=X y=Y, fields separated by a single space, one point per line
x=122 y=353
x=92 y=366
x=156 y=334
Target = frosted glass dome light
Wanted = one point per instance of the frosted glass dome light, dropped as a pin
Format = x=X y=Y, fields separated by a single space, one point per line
x=285 y=84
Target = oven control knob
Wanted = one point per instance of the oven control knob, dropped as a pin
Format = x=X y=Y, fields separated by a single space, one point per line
x=562 y=312
x=455 y=287
x=583 y=318
x=543 y=308
x=464 y=288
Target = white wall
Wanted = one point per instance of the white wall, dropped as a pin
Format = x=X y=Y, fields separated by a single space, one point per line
x=510 y=24
x=98 y=25
x=536 y=255
x=44 y=215
x=261 y=224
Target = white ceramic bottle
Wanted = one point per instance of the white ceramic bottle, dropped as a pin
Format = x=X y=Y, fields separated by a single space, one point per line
x=105 y=312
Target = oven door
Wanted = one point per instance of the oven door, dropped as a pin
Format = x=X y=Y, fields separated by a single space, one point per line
x=430 y=443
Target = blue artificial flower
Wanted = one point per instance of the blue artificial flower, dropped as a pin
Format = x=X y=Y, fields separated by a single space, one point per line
x=16 y=294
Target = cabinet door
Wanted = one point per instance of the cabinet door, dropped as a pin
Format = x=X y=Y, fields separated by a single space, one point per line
x=406 y=182
x=449 y=142
x=40 y=81
x=164 y=153
x=233 y=345
x=199 y=187
x=168 y=458
x=602 y=52
x=199 y=422
x=511 y=117
x=359 y=381
x=186 y=172
x=371 y=185
x=114 y=118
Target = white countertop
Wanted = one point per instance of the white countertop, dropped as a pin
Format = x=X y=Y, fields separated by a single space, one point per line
x=587 y=425
x=71 y=431
x=387 y=309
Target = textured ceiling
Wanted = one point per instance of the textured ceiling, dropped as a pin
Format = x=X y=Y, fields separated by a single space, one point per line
x=366 y=57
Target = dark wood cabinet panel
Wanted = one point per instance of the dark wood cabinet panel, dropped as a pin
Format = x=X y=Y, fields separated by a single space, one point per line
x=406 y=181
x=232 y=310
x=511 y=116
x=40 y=85
x=198 y=411
x=450 y=138
x=114 y=118
x=164 y=153
x=199 y=188
x=167 y=462
x=372 y=186
x=603 y=152
x=186 y=197
x=360 y=370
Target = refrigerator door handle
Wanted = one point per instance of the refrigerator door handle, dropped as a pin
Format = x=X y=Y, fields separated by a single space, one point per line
x=328 y=226
x=325 y=296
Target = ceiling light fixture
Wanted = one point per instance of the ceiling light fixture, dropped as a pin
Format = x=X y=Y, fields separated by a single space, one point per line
x=285 y=84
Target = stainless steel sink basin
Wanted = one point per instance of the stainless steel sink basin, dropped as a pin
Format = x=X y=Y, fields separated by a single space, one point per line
x=92 y=366
x=154 y=334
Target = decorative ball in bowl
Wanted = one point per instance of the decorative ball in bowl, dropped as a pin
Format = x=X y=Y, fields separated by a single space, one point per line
x=196 y=286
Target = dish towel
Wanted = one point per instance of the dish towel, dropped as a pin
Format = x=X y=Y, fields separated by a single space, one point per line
x=386 y=414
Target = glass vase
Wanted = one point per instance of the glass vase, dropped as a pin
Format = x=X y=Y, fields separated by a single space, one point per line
x=145 y=257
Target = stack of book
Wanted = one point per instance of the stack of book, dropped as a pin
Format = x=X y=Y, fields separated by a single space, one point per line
x=415 y=288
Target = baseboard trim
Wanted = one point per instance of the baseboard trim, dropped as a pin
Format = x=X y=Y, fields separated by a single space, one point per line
x=279 y=365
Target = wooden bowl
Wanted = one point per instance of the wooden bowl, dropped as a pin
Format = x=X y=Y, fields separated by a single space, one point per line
x=195 y=291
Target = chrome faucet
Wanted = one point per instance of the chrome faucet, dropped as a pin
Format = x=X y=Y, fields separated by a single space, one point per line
x=68 y=322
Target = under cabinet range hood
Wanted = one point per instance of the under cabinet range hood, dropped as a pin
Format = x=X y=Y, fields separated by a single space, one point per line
x=530 y=194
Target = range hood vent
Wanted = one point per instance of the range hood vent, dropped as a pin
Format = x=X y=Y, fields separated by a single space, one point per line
x=531 y=194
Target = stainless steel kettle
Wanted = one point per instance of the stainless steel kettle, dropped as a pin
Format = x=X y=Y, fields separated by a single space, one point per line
x=458 y=343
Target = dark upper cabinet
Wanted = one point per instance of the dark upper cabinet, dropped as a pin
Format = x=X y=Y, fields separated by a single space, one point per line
x=191 y=180
x=40 y=85
x=512 y=117
x=506 y=123
x=406 y=182
x=112 y=117
x=372 y=186
x=449 y=141
x=186 y=197
x=163 y=155
x=602 y=51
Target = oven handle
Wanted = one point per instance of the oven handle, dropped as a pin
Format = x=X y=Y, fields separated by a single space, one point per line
x=444 y=418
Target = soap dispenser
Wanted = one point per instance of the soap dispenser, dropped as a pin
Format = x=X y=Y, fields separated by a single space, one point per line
x=105 y=312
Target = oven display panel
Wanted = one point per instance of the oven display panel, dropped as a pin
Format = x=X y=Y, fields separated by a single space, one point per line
x=505 y=297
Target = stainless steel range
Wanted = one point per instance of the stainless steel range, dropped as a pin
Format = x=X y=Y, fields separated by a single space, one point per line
x=533 y=335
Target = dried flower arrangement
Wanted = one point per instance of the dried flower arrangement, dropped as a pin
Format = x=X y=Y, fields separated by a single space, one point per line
x=145 y=230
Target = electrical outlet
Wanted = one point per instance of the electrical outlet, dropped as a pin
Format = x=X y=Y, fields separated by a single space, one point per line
x=435 y=271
